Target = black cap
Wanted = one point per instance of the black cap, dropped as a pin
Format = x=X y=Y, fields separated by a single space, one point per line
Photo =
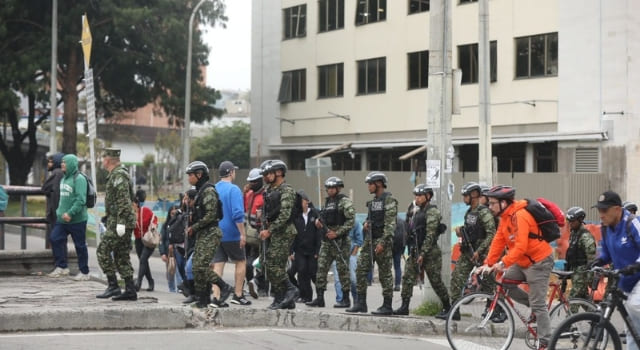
x=608 y=199
x=226 y=168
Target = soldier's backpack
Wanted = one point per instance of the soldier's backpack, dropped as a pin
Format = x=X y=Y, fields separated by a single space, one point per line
x=549 y=218
x=92 y=195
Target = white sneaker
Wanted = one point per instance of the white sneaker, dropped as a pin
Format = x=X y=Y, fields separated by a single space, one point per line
x=59 y=272
x=82 y=277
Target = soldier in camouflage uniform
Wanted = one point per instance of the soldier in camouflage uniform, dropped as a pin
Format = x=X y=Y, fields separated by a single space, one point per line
x=338 y=216
x=582 y=250
x=121 y=220
x=279 y=199
x=378 y=240
x=476 y=233
x=204 y=225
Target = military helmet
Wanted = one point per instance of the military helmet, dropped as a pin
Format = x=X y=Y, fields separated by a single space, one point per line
x=422 y=189
x=272 y=165
x=254 y=174
x=376 y=176
x=484 y=189
x=333 y=181
x=195 y=166
x=630 y=206
x=576 y=213
x=470 y=187
x=501 y=192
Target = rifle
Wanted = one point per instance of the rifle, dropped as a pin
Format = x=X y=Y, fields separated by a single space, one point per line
x=414 y=254
x=369 y=231
x=324 y=231
x=263 y=252
x=466 y=242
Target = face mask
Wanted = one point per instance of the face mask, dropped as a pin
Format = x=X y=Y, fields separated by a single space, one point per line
x=255 y=185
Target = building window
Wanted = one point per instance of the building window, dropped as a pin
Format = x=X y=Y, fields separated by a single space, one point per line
x=418 y=63
x=330 y=80
x=331 y=15
x=469 y=158
x=467 y=1
x=545 y=159
x=511 y=157
x=537 y=56
x=417 y=6
x=370 y=11
x=388 y=160
x=468 y=62
x=293 y=86
x=372 y=76
x=295 y=22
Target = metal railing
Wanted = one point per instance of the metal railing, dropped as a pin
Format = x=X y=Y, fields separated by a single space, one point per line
x=22 y=220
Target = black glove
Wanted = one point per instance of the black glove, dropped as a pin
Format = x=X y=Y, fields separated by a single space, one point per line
x=630 y=269
x=596 y=262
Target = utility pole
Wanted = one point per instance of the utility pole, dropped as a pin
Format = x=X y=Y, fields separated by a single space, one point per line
x=484 y=101
x=440 y=151
x=53 y=99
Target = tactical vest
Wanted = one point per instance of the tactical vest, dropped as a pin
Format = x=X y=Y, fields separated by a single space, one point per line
x=418 y=226
x=198 y=207
x=575 y=256
x=376 y=215
x=331 y=213
x=474 y=228
x=271 y=207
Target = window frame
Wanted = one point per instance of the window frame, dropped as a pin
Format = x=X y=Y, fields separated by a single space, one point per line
x=323 y=75
x=293 y=86
x=324 y=7
x=475 y=75
x=363 y=14
x=420 y=73
x=300 y=30
x=548 y=63
x=419 y=5
x=367 y=63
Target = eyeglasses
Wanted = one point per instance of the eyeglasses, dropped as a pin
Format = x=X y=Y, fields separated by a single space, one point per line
x=493 y=203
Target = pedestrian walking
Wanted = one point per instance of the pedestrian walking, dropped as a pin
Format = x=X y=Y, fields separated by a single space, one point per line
x=144 y=219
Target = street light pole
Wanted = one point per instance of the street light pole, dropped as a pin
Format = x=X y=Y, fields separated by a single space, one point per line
x=186 y=142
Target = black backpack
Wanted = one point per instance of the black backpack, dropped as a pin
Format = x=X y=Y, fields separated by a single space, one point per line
x=547 y=222
x=92 y=195
x=176 y=228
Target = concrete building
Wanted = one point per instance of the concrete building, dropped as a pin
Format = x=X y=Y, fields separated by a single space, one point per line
x=352 y=76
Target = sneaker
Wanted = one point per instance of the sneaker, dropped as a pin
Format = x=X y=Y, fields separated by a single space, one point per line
x=239 y=300
x=397 y=289
x=82 y=277
x=542 y=345
x=532 y=318
x=215 y=303
x=59 y=272
x=253 y=289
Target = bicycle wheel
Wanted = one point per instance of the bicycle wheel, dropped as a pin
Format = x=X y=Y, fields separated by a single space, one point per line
x=561 y=311
x=474 y=329
x=581 y=331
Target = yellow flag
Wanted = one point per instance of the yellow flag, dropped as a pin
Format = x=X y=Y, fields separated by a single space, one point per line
x=86 y=41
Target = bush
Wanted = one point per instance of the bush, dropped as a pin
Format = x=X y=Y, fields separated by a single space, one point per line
x=428 y=308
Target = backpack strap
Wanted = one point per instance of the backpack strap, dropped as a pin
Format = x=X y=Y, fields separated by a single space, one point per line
x=628 y=229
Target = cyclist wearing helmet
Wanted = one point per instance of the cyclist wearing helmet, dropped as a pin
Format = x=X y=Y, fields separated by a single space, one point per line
x=527 y=259
x=252 y=202
x=476 y=234
x=582 y=250
x=379 y=227
x=338 y=216
x=423 y=220
x=204 y=226
x=278 y=228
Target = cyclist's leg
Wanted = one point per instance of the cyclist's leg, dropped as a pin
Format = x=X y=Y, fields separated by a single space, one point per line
x=633 y=308
x=515 y=272
x=538 y=280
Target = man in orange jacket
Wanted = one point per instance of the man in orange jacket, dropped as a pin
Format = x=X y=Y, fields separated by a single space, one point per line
x=527 y=259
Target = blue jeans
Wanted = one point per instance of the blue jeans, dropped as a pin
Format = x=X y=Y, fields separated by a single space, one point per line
x=397 y=268
x=59 y=244
x=188 y=270
x=353 y=262
x=176 y=279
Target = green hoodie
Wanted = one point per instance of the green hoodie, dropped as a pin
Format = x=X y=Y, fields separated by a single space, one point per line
x=73 y=193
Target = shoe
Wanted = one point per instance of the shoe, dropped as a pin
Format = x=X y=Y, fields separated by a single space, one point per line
x=215 y=303
x=129 y=292
x=239 y=300
x=253 y=289
x=59 y=272
x=499 y=316
x=82 y=277
x=532 y=318
x=542 y=345
x=151 y=285
x=112 y=289
x=396 y=288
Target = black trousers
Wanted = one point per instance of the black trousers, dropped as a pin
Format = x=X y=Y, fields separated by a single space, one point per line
x=143 y=253
x=306 y=266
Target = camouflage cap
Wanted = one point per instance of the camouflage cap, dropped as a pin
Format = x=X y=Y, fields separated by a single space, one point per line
x=112 y=152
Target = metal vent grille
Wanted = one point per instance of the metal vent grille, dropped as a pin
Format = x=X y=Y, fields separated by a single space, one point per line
x=587 y=160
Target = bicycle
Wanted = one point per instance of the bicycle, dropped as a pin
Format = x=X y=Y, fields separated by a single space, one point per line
x=469 y=325
x=594 y=330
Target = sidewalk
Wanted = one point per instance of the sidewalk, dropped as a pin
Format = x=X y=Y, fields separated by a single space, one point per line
x=38 y=303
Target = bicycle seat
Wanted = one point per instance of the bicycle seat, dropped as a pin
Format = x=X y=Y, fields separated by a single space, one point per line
x=563 y=275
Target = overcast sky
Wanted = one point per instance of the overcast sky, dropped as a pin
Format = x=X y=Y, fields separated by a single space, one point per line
x=230 y=49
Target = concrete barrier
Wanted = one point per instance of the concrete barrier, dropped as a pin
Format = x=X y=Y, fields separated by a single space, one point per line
x=27 y=262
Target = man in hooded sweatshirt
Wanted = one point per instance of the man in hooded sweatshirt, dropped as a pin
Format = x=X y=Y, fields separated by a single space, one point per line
x=51 y=188
x=71 y=219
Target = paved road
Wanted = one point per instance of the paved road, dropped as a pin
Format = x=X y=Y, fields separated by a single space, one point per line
x=236 y=339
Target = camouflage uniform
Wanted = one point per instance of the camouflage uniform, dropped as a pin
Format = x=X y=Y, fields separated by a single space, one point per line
x=118 y=210
x=381 y=233
x=480 y=227
x=279 y=201
x=342 y=224
x=208 y=235
x=582 y=250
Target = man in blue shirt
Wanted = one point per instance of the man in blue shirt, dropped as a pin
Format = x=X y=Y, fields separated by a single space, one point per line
x=621 y=246
x=234 y=237
x=356 y=242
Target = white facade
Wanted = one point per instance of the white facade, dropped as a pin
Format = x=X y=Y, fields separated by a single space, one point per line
x=596 y=74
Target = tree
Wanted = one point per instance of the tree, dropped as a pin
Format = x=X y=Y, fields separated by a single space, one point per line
x=224 y=143
x=138 y=57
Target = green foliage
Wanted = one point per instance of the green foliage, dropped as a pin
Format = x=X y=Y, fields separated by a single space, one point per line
x=428 y=308
x=224 y=143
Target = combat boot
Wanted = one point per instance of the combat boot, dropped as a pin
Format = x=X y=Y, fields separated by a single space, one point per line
x=112 y=289
x=404 y=308
x=446 y=306
x=204 y=297
x=129 y=291
x=225 y=290
x=319 y=300
x=345 y=303
x=291 y=294
x=385 y=309
x=360 y=305
x=277 y=300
